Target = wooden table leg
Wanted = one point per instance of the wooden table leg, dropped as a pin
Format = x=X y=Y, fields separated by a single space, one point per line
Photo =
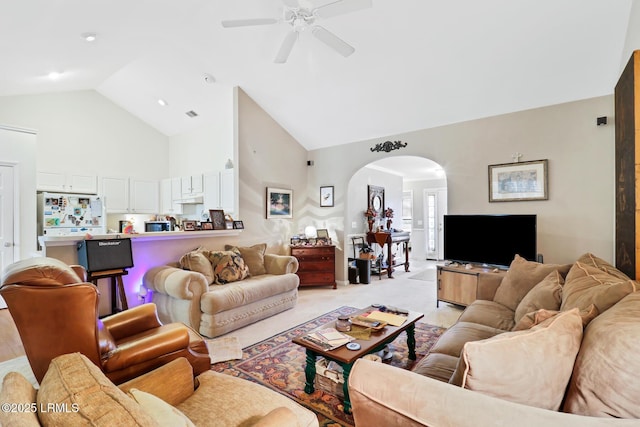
x=346 y=371
x=123 y=296
x=310 y=371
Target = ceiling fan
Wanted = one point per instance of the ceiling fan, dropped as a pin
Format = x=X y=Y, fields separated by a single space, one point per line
x=302 y=18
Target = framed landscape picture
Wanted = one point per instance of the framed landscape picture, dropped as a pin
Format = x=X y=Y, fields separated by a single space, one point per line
x=509 y=182
x=279 y=203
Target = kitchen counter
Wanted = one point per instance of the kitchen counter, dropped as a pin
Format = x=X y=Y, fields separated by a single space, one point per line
x=48 y=241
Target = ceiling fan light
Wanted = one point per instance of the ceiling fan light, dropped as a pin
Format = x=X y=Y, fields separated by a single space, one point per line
x=89 y=37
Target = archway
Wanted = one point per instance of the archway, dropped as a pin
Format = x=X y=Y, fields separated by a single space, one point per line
x=414 y=187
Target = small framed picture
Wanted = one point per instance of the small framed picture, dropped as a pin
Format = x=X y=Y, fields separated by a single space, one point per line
x=228 y=225
x=189 y=225
x=323 y=233
x=238 y=225
x=326 y=196
x=206 y=225
x=217 y=218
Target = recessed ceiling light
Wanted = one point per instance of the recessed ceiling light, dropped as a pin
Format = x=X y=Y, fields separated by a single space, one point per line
x=208 y=78
x=54 y=75
x=162 y=102
x=90 y=37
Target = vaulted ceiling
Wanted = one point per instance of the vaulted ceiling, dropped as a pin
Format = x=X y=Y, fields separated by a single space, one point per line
x=417 y=63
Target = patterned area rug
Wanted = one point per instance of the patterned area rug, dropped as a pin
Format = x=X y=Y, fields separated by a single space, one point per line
x=279 y=364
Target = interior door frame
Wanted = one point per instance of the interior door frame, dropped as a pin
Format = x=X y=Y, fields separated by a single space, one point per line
x=441 y=211
x=16 y=207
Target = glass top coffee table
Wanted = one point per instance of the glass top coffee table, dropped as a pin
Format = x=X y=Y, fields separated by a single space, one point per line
x=345 y=357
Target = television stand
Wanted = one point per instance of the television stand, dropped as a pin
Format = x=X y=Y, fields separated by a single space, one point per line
x=461 y=285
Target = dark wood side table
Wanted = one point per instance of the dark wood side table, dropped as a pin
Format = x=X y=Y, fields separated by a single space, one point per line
x=383 y=238
x=316 y=265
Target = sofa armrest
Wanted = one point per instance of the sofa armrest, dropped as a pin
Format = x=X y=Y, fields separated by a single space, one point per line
x=280 y=264
x=178 y=374
x=133 y=321
x=383 y=395
x=175 y=282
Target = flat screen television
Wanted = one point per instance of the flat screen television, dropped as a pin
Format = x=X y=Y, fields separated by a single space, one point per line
x=489 y=239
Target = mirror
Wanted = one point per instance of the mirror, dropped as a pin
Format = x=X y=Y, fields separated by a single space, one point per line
x=376 y=199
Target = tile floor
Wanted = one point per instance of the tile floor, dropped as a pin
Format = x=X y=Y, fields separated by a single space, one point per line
x=400 y=291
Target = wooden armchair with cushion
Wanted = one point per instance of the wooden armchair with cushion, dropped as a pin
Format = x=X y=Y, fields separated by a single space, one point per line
x=57 y=313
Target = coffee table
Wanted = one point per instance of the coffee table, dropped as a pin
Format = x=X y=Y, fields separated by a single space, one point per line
x=345 y=358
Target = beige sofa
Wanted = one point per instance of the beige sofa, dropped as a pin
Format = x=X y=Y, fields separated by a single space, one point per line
x=74 y=392
x=555 y=345
x=202 y=291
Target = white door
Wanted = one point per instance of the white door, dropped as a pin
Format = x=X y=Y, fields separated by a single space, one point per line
x=435 y=208
x=6 y=219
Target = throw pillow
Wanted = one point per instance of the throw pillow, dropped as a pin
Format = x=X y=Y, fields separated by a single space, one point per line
x=605 y=375
x=594 y=261
x=546 y=294
x=197 y=261
x=588 y=285
x=228 y=266
x=164 y=414
x=253 y=257
x=531 y=367
x=522 y=276
x=536 y=317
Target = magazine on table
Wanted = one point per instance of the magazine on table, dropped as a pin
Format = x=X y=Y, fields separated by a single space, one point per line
x=328 y=338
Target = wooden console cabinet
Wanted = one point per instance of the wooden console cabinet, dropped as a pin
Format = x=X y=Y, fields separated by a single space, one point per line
x=317 y=265
x=461 y=286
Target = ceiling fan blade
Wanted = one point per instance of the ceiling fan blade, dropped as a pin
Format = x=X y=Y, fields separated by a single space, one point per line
x=248 y=22
x=286 y=47
x=332 y=41
x=341 y=7
x=291 y=4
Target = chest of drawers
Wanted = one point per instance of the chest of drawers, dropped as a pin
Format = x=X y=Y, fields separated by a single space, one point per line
x=317 y=265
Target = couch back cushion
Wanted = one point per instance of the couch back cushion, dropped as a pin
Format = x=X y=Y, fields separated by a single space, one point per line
x=85 y=396
x=531 y=367
x=522 y=276
x=605 y=376
x=594 y=261
x=586 y=285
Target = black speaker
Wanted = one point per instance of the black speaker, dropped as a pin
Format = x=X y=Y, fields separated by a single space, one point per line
x=106 y=254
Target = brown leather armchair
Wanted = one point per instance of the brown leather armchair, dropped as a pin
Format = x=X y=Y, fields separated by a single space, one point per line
x=57 y=313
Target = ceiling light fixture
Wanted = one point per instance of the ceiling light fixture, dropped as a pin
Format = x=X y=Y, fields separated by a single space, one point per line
x=162 y=102
x=54 y=75
x=208 y=78
x=89 y=37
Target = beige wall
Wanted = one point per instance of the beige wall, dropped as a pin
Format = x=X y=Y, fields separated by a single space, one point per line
x=268 y=157
x=579 y=215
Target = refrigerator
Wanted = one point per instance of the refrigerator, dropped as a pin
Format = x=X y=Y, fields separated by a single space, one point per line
x=62 y=214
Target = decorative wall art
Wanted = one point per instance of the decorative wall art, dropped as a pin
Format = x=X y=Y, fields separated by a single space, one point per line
x=279 y=203
x=326 y=196
x=375 y=198
x=511 y=182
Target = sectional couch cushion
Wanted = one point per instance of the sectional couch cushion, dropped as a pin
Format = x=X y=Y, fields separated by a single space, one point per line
x=594 y=261
x=586 y=285
x=536 y=317
x=162 y=412
x=522 y=276
x=605 y=376
x=531 y=367
x=547 y=294
x=489 y=313
x=75 y=383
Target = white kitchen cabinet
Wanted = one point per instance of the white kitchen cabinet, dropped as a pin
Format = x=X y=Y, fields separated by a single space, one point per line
x=219 y=191
x=115 y=191
x=130 y=195
x=228 y=191
x=176 y=189
x=143 y=196
x=192 y=186
x=67 y=182
x=167 y=197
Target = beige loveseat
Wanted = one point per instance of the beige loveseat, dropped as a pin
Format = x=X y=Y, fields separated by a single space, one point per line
x=554 y=345
x=74 y=392
x=215 y=292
